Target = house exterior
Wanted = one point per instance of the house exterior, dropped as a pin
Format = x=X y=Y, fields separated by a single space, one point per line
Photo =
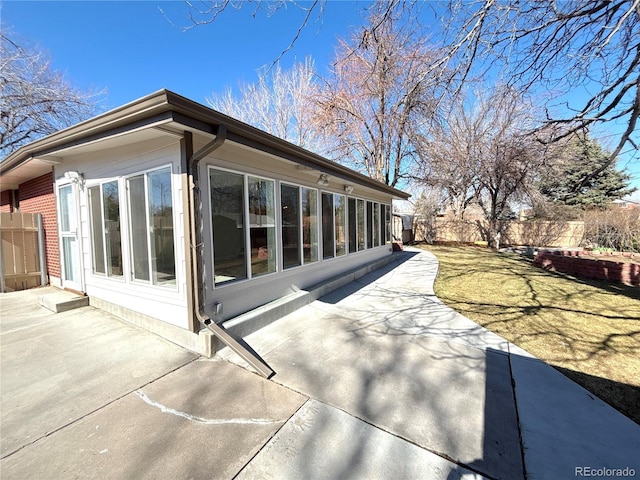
x=164 y=211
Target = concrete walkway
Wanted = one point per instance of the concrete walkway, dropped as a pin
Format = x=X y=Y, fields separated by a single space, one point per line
x=377 y=380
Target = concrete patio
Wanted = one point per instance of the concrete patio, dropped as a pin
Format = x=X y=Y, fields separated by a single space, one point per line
x=377 y=379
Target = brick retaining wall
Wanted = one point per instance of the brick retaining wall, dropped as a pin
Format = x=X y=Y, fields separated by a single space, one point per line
x=570 y=262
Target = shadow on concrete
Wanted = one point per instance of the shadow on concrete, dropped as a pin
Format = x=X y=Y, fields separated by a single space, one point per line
x=621 y=396
x=389 y=353
x=343 y=292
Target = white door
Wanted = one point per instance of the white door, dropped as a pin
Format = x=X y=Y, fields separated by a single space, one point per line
x=69 y=243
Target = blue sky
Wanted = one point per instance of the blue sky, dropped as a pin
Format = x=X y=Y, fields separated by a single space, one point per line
x=131 y=49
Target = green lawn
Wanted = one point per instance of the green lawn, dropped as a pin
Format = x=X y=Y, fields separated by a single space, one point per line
x=588 y=330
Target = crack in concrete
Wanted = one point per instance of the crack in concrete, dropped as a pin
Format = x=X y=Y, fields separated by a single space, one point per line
x=206 y=421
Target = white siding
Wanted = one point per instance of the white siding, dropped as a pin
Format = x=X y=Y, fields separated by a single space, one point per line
x=166 y=303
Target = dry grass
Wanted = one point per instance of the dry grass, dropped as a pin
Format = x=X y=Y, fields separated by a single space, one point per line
x=588 y=330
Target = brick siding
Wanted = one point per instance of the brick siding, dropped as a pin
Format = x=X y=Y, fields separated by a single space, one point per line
x=570 y=262
x=6 y=203
x=37 y=196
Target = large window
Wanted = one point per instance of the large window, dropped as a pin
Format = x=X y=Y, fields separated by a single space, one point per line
x=251 y=239
x=262 y=226
x=353 y=225
x=290 y=205
x=385 y=224
x=328 y=226
x=243 y=217
x=299 y=207
x=376 y=225
x=104 y=208
x=340 y=205
x=151 y=226
x=309 y=225
x=361 y=225
x=369 y=224
x=227 y=217
x=334 y=225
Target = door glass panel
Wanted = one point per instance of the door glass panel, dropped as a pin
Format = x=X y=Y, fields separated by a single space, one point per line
x=67 y=210
x=70 y=252
x=227 y=217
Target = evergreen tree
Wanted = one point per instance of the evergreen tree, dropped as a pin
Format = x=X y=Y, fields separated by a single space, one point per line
x=572 y=181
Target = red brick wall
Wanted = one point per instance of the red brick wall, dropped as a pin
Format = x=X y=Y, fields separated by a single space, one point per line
x=6 y=203
x=569 y=262
x=37 y=196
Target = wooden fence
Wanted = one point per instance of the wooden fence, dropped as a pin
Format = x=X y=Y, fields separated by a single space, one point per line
x=23 y=262
x=535 y=233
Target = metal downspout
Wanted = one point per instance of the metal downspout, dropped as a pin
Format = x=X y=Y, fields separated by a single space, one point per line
x=238 y=345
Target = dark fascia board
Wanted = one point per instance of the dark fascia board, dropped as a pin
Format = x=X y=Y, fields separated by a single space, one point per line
x=165 y=105
x=120 y=117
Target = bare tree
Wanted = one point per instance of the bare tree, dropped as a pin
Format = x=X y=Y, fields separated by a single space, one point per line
x=590 y=46
x=378 y=100
x=485 y=153
x=280 y=103
x=447 y=156
x=35 y=100
x=587 y=48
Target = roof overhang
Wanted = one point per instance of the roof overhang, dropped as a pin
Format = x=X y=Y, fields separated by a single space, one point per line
x=164 y=112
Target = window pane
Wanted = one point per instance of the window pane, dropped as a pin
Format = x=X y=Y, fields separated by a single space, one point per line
x=327 y=225
x=361 y=229
x=71 y=259
x=163 y=263
x=262 y=221
x=310 y=225
x=97 y=247
x=376 y=224
x=353 y=225
x=113 y=241
x=68 y=209
x=340 y=218
x=369 y=225
x=138 y=228
x=387 y=220
x=227 y=217
x=290 y=200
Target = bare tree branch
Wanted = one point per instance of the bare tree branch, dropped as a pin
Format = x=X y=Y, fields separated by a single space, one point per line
x=558 y=47
x=34 y=99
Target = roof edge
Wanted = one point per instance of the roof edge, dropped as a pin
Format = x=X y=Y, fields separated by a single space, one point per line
x=165 y=100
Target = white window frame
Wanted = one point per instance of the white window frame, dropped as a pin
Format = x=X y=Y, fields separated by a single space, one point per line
x=130 y=273
x=246 y=225
x=123 y=231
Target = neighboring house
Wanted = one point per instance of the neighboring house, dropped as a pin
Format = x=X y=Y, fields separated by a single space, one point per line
x=164 y=211
x=625 y=203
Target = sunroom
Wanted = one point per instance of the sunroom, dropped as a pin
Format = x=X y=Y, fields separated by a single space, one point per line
x=170 y=213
